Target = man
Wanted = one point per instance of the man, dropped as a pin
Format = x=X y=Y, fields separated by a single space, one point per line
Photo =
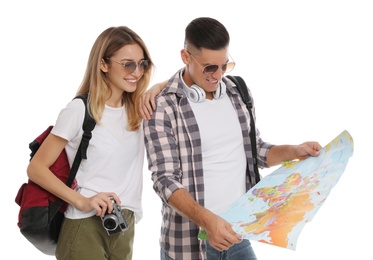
x=199 y=151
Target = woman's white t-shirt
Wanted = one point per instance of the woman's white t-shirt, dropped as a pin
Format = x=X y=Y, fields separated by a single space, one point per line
x=115 y=157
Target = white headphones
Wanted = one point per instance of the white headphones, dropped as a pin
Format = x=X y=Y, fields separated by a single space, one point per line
x=196 y=94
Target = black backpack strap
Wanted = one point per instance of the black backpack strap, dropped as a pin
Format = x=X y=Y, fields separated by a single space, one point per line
x=88 y=126
x=242 y=89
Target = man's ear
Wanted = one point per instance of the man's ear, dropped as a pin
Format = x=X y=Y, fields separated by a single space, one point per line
x=104 y=66
x=185 y=56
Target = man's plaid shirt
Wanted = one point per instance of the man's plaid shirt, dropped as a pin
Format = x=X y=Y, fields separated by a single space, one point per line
x=174 y=154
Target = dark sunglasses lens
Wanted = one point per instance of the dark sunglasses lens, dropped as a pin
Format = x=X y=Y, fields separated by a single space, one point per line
x=210 y=69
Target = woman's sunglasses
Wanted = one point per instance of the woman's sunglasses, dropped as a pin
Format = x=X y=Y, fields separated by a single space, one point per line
x=130 y=66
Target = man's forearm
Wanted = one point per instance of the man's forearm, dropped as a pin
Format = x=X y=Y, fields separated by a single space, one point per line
x=279 y=153
x=186 y=206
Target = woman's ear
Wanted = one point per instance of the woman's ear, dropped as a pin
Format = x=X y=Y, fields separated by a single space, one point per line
x=104 y=66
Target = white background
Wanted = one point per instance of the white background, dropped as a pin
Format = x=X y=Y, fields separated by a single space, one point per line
x=309 y=65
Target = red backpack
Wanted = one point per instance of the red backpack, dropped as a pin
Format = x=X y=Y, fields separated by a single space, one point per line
x=41 y=213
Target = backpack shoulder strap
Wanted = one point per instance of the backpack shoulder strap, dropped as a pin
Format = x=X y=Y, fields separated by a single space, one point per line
x=88 y=126
x=242 y=88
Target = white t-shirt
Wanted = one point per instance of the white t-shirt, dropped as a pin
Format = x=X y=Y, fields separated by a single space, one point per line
x=223 y=154
x=115 y=157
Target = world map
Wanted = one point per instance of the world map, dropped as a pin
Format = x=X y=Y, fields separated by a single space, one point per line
x=277 y=208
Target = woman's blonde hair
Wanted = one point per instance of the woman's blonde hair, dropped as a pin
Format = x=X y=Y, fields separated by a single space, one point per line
x=95 y=82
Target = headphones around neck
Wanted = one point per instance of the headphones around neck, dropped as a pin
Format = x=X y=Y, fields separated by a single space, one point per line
x=196 y=94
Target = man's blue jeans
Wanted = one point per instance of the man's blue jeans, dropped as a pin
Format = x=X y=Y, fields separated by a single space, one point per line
x=241 y=251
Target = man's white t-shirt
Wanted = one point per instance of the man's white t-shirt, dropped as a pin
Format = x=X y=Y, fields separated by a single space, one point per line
x=115 y=157
x=223 y=154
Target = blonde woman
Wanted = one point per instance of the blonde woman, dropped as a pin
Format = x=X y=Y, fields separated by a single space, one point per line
x=118 y=73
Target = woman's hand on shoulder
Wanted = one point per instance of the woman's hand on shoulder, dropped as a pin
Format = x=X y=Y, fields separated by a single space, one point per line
x=147 y=101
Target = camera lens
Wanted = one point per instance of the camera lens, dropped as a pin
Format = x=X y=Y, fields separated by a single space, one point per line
x=110 y=222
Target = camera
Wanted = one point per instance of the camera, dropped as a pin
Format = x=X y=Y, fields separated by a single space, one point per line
x=115 y=221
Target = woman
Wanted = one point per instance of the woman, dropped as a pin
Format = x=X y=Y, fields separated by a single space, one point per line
x=118 y=72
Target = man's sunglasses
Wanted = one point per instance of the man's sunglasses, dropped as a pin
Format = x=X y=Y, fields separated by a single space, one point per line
x=210 y=69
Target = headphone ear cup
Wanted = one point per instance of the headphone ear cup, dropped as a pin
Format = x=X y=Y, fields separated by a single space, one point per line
x=195 y=93
x=219 y=93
